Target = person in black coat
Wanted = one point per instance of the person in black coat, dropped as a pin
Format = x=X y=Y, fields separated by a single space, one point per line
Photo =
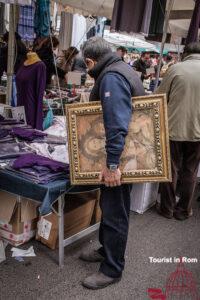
x=20 y=53
x=43 y=48
x=142 y=64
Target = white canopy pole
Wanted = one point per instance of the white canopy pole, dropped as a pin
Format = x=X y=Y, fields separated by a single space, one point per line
x=165 y=28
x=11 y=52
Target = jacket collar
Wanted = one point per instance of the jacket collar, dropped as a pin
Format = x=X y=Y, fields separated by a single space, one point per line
x=106 y=60
x=194 y=56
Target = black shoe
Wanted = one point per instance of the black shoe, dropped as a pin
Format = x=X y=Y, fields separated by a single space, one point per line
x=99 y=281
x=164 y=214
x=182 y=216
x=92 y=257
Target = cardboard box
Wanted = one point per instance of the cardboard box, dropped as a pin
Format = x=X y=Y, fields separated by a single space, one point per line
x=78 y=212
x=18 y=218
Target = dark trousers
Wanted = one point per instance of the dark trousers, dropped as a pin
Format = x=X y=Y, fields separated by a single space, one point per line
x=185 y=159
x=113 y=233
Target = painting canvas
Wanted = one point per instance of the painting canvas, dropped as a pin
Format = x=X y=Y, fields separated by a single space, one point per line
x=146 y=154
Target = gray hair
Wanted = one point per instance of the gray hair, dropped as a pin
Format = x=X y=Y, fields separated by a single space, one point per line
x=95 y=48
x=192 y=48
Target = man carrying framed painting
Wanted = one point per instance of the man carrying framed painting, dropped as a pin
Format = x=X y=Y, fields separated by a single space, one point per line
x=182 y=86
x=115 y=84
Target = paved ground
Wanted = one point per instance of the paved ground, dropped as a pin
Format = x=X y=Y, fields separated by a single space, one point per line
x=150 y=235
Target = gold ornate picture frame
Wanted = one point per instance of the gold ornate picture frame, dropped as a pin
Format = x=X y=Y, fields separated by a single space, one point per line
x=146 y=156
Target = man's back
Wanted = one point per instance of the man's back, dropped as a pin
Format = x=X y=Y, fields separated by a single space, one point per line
x=182 y=85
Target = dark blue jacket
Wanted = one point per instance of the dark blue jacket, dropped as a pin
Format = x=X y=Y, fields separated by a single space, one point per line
x=115 y=84
x=115 y=95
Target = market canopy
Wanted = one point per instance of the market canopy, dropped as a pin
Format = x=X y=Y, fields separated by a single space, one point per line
x=180 y=17
x=102 y=8
x=129 y=41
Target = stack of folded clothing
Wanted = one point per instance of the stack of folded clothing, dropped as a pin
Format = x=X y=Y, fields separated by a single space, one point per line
x=27 y=134
x=4 y=121
x=12 y=150
x=39 y=169
x=5 y=135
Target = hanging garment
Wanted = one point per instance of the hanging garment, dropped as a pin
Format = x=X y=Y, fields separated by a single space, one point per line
x=42 y=18
x=25 y=26
x=31 y=82
x=100 y=26
x=147 y=18
x=194 y=25
x=157 y=17
x=6 y=16
x=65 y=34
x=54 y=18
x=131 y=16
x=19 y=2
x=14 y=92
x=91 y=27
x=2 y=23
x=79 y=31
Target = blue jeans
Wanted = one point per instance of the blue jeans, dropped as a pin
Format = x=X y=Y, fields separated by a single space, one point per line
x=113 y=233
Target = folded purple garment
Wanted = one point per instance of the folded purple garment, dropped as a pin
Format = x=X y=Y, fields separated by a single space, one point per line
x=27 y=134
x=4 y=133
x=31 y=160
x=1 y=118
x=10 y=122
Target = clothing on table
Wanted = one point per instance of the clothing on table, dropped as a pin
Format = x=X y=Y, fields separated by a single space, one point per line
x=2 y=23
x=54 y=151
x=25 y=26
x=65 y=34
x=31 y=82
x=1 y=118
x=42 y=18
x=194 y=25
x=37 y=174
x=27 y=134
x=132 y=16
x=157 y=17
x=185 y=159
x=79 y=31
x=113 y=232
x=10 y=122
x=11 y=150
x=30 y=160
x=181 y=84
x=4 y=133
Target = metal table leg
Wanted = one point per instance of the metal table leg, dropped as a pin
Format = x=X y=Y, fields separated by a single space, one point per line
x=61 y=203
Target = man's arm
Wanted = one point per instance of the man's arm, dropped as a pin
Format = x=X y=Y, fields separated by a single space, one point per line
x=115 y=95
